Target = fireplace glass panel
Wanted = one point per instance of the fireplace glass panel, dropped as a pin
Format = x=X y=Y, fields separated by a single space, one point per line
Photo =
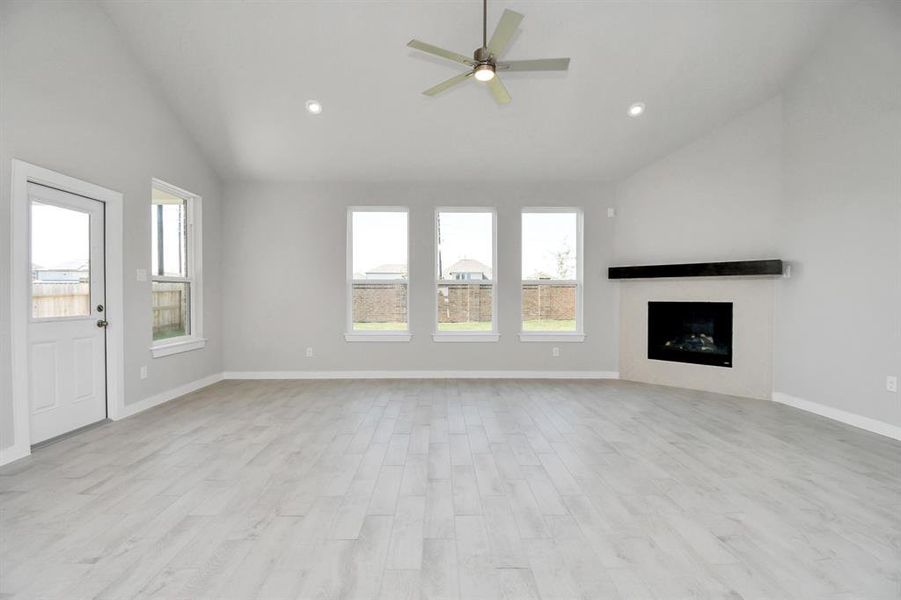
x=691 y=332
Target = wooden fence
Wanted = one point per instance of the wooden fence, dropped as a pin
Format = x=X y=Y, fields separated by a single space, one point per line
x=169 y=302
x=60 y=300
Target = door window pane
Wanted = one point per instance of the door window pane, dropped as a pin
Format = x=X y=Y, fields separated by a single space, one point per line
x=60 y=262
x=171 y=309
x=549 y=307
x=465 y=307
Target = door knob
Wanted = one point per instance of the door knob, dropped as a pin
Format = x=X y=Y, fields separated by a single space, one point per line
x=102 y=323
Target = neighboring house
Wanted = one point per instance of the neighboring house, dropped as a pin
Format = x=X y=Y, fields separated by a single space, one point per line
x=468 y=269
x=387 y=271
x=64 y=273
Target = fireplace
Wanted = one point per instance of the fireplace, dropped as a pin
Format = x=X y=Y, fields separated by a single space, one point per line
x=691 y=332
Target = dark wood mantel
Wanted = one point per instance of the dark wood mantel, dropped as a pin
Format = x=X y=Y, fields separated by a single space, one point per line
x=735 y=268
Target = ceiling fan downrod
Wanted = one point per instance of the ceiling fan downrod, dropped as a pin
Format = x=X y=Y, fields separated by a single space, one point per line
x=484 y=23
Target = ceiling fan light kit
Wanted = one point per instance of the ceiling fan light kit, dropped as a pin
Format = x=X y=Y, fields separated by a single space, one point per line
x=484 y=65
x=484 y=72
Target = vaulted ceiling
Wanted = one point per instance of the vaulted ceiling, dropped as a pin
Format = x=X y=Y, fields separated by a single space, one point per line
x=238 y=75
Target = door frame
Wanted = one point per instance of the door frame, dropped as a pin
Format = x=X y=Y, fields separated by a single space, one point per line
x=24 y=173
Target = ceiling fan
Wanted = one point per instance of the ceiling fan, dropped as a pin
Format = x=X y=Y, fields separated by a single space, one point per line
x=484 y=65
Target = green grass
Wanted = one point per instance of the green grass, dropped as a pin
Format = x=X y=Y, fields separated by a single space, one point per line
x=380 y=326
x=165 y=334
x=466 y=326
x=549 y=325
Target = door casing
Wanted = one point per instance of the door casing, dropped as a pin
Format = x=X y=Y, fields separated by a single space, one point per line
x=20 y=297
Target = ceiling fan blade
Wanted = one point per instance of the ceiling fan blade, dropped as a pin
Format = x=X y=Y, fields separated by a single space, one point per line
x=541 y=64
x=504 y=31
x=444 y=85
x=497 y=89
x=429 y=48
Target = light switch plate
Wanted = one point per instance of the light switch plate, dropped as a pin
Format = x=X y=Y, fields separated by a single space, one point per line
x=142 y=274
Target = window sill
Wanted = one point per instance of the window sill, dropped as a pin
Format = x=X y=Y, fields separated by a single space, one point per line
x=465 y=337
x=377 y=337
x=168 y=348
x=549 y=336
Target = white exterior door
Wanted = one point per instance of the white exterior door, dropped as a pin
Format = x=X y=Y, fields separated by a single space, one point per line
x=67 y=327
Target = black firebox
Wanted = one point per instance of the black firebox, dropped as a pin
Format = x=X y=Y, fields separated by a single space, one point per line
x=691 y=332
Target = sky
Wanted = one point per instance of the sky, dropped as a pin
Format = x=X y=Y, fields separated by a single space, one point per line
x=381 y=238
x=174 y=263
x=465 y=235
x=544 y=236
x=60 y=237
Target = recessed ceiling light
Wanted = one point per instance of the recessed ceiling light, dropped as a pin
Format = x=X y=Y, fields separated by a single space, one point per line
x=314 y=107
x=636 y=110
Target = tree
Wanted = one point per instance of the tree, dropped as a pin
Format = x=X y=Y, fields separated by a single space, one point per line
x=564 y=260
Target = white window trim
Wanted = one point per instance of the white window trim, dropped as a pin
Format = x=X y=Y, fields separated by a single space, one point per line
x=195 y=341
x=557 y=336
x=350 y=334
x=466 y=336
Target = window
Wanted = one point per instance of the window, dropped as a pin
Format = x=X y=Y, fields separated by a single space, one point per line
x=378 y=289
x=175 y=270
x=465 y=277
x=552 y=275
x=60 y=261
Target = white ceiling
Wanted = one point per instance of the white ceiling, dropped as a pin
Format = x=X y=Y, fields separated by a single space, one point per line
x=239 y=73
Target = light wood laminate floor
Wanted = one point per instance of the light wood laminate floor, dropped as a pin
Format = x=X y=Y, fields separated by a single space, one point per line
x=456 y=489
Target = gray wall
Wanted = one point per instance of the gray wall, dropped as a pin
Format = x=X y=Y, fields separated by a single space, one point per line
x=814 y=177
x=717 y=198
x=284 y=279
x=74 y=100
x=839 y=316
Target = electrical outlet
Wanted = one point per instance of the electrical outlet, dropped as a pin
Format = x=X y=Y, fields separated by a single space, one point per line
x=142 y=274
x=309 y=353
x=611 y=212
x=555 y=351
x=143 y=371
x=891 y=384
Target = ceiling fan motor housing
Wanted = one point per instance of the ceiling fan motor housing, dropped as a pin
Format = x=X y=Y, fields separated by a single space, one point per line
x=483 y=56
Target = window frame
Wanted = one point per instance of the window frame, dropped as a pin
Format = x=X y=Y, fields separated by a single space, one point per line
x=465 y=336
x=351 y=335
x=193 y=276
x=556 y=336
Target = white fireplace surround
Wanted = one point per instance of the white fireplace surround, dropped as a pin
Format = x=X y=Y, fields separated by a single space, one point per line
x=751 y=374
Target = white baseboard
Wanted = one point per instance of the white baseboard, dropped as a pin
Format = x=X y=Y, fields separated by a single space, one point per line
x=133 y=409
x=420 y=375
x=839 y=415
